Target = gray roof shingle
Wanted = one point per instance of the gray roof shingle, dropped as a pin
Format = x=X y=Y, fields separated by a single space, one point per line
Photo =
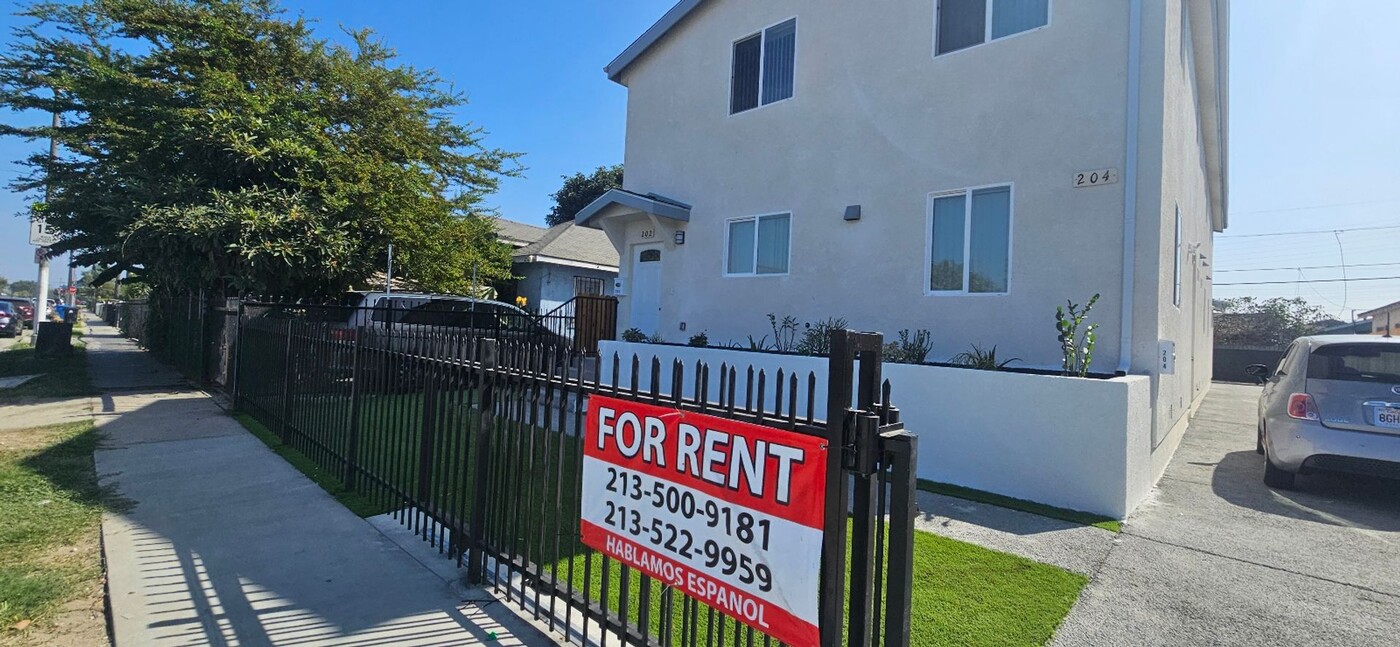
x=567 y=241
x=518 y=234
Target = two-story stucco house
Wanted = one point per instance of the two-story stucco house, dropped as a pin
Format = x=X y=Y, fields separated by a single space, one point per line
x=963 y=166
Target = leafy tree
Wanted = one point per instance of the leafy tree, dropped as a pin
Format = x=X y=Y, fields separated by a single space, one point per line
x=23 y=288
x=1248 y=321
x=4 y=285
x=91 y=290
x=217 y=144
x=579 y=190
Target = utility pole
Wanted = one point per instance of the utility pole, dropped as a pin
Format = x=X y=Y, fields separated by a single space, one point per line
x=72 y=294
x=41 y=295
x=389 y=273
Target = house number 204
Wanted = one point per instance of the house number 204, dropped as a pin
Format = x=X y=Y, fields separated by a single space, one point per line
x=1097 y=177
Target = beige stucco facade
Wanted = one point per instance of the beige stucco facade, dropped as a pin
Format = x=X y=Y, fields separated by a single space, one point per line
x=877 y=120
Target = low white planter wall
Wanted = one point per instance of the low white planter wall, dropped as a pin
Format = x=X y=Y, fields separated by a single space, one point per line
x=1083 y=444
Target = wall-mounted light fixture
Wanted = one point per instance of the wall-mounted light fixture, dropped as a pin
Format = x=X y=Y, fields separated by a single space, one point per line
x=680 y=237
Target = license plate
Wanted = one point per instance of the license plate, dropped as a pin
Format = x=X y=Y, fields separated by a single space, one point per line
x=1388 y=417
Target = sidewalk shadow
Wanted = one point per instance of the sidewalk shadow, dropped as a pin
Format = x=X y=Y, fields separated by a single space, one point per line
x=69 y=466
x=1335 y=499
x=222 y=542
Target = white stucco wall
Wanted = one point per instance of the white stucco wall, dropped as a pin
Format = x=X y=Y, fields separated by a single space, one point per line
x=876 y=120
x=1082 y=444
x=1177 y=180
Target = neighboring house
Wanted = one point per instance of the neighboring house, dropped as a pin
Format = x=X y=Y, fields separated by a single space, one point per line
x=557 y=264
x=963 y=167
x=1384 y=320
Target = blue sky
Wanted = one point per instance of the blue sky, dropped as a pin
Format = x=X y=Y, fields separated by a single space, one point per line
x=1315 y=144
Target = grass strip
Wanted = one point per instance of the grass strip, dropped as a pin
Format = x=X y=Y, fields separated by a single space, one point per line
x=357 y=502
x=59 y=377
x=1086 y=518
x=964 y=595
x=50 y=519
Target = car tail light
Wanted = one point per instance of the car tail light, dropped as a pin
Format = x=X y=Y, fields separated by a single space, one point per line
x=343 y=334
x=1302 y=407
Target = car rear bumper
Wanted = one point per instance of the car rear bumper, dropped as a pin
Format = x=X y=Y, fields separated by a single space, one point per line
x=1307 y=445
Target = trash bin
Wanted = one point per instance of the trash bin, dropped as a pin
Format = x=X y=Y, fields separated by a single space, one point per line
x=53 y=339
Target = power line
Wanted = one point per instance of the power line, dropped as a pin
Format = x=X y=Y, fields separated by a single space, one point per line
x=1310 y=231
x=1306 y=267
x=1316 y=206
x=1364 y=278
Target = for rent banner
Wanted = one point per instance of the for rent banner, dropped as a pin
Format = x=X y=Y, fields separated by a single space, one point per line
x=728 y=512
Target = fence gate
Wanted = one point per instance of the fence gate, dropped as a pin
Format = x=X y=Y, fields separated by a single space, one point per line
x=497 y=453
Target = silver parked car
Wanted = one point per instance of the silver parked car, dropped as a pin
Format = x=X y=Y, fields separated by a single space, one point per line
x=1333 y=404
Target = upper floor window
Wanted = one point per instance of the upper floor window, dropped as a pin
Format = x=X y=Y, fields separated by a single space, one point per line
x=757 y=245
x=964 y=23
x=969 y=241
x=763 y=67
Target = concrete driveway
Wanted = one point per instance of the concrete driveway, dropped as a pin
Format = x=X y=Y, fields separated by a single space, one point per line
x=1217 y=558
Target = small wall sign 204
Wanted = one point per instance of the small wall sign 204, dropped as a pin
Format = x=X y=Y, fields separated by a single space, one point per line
x=1098 y=177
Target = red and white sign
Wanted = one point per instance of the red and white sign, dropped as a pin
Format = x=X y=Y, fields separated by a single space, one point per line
x=728 y=512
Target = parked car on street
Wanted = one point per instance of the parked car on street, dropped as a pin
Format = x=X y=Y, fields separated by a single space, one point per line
x=24 y=307
x=11 y=321
x=1332 y=404
x=409 y=313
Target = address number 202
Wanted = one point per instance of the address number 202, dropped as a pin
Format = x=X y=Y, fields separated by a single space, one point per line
x=1095 y=178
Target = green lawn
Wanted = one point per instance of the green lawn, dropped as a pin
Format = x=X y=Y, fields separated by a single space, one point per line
x=963 y=594
x=50 y=516
x=60 y=377
x=1087 y=518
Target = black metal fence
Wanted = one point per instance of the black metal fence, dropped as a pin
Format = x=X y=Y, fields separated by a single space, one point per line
x=197 y=332
x=474 y=442
x=190 y=331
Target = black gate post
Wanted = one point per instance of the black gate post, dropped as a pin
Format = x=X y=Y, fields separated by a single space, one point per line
x=237 y=357
x=903 y=449
x=866 y=458
x=476 y=542
x=833 y=571
x=352 y=443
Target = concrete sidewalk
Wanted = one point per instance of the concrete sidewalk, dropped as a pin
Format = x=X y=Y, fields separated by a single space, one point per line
x=221 y=542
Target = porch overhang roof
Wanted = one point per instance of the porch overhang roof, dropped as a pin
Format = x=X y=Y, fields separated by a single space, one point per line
x=620 y=200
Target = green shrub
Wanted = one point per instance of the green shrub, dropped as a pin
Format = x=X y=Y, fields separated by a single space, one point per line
x=816 y=339
x=699 y=339
x=909 y=348
x=1078 y=349
x=634 y=335
x=979 y=358
x=784 y=333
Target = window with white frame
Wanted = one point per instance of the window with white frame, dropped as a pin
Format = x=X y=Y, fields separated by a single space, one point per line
x=969 y=241
x=757 y=245
x=1176 y=261
x=961 y=24
x=763 y=67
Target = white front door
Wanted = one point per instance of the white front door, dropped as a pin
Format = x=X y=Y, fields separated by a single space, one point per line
x=646 y=287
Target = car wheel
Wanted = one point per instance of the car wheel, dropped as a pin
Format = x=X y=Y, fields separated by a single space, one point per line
x=1275 y=477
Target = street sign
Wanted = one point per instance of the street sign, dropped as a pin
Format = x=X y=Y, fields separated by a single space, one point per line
x=730 y=513
x=40 y=235
x=72 y=289
x=39 y=254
